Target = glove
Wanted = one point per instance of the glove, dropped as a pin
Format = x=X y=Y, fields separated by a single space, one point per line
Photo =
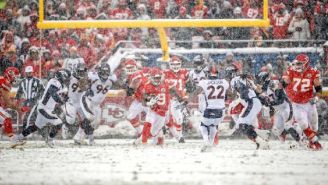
x=152 y=101
x=314 y=100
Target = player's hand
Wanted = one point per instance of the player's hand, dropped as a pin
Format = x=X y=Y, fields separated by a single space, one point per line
x=314 y=100
x=152 y=101
x=25 y=109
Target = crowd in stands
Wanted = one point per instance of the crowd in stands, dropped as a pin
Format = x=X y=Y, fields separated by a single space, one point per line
x=22 y=44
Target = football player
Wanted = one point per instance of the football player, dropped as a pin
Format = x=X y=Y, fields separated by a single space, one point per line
x=49 y=109
x=157 y=98
x=79 y=83
x=300 y=81
x=251 y=106
x=274 y=96
x=177 y=78
x=214 y=90
x=136 y=80
x=101 y=82
x=6 y=81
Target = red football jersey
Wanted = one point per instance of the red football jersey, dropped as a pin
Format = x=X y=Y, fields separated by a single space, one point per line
x=300 y=89
x=162 y=92
x=177 y=80
x=139 y=91
x=199 y=12
x=5 y=86
x=158 y=7
x=280 y=26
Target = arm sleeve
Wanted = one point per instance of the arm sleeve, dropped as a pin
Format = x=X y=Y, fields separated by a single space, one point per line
x=53 y=90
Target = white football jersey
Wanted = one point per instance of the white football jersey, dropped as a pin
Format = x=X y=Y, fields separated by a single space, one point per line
x=215 y=92
x=52 y=92
x=100 y=88
x=237 y=82
x=197 y=77
x=74 y=92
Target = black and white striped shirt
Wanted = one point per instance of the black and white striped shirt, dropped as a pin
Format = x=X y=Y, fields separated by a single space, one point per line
x=30 y=89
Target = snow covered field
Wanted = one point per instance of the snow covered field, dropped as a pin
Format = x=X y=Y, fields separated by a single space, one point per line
x=118 y=162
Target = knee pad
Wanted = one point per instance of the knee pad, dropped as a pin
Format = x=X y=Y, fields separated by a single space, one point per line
x=86 y=126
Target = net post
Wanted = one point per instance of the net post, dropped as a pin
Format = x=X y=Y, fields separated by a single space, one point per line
x=41 y=10
x=164 y=43
x=265 y=10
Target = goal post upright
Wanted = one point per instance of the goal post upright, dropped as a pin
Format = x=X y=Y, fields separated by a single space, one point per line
x=159 y=24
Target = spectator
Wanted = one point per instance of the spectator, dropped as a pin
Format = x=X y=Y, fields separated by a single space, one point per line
x=321 y=20
x=199 y=11
x=299 y=27
x=236 y=33
x=34 y=61
x=24 y=50
x=228 y=61
x=158 y=8
x=251 y=9
x=182 y=34
x=121 y=11
x=208 y=41
x=280 y=22
x=24 y=16
x=142 y=14
x=86 y=52
x=9 y=59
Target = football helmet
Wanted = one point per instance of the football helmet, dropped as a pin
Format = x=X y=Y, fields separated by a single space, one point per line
x=262 y=77
x=80 y=70
x=175 y=64
x=213 y=72
x=130 y=66
x=63 y=76
x=231 y=72
x=301 y=63
x=155 y=76
x=104 y=71
x=11 y=74
x=198 y=63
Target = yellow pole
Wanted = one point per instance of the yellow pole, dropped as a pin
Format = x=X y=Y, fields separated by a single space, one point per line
x=41 y=10
x=266 y=10
x=156 y=23
x=164 y=43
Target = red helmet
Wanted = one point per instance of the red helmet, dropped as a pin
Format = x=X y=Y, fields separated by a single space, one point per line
x=301 y=62
x=146 y=71
x=213 y=71
x=175 y=64
x=11 y=73
x=130 y=66
x=155 y=76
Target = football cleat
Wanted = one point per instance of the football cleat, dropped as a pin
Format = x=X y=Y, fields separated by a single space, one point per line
x=17 y=140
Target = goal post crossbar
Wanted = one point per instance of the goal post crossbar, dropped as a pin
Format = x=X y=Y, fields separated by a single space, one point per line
x=160 y=24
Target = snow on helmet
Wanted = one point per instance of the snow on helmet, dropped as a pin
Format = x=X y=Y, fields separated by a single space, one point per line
x=131 y=66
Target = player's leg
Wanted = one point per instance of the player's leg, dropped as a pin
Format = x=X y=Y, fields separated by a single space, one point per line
x=278 y=127
x=156 y=131
x=175 y=125
x=134 y=111
x=313 y=124
x=248 y=118
x=302 y=118
x=150 y=120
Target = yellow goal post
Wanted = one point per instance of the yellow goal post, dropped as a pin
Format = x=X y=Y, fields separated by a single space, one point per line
x=159 y=24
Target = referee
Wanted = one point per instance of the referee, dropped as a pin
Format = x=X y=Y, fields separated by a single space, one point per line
x=29 y=91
